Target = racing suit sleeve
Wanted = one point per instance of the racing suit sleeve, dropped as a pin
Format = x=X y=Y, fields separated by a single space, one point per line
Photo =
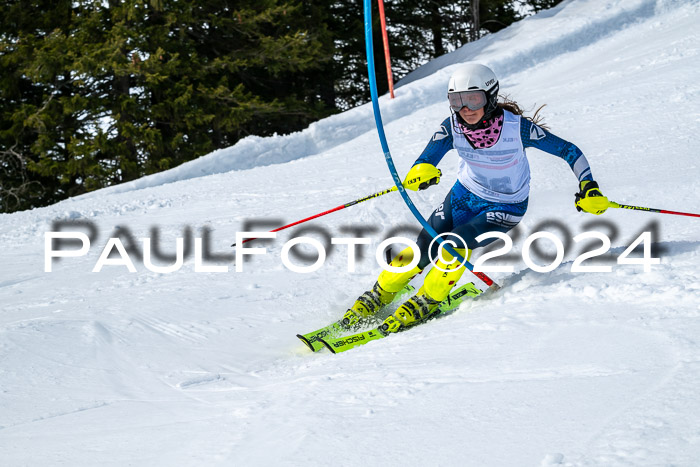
x=440 y=143
x=534 y=136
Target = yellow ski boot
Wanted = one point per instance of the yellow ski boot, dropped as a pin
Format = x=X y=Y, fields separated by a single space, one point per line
x=436 y=288
x=367 y=304
x=385 y=289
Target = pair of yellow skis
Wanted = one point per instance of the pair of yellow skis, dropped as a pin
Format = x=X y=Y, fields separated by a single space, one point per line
x=334 y=337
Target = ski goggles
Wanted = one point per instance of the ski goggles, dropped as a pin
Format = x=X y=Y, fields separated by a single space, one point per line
x=473 y=100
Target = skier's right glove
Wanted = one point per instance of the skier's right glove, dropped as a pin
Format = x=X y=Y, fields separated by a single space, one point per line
x=422 y=176
x=590 y=199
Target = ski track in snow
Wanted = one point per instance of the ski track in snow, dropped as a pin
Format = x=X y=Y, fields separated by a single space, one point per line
x=555 y=369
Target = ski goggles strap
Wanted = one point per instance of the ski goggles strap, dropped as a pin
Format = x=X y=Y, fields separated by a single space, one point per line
x=473 y=100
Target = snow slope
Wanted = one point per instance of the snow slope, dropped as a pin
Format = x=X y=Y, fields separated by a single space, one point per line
x=559 y=368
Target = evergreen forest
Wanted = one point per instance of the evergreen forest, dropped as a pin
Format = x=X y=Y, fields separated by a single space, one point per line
x=96 y=93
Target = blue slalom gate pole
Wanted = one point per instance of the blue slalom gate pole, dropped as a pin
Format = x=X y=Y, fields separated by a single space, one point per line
x=387 y=154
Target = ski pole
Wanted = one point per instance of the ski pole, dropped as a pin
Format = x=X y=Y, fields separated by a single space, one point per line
x=613 y=204
x=338 y=208
x=486 y=279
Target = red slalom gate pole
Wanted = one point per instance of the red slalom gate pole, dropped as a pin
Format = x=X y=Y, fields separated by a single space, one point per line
x=385 y=38
x=613 y=204
x=338 y=208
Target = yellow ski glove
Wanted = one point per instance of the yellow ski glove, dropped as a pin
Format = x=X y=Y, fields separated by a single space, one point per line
x=590 y=199
x=422 y=176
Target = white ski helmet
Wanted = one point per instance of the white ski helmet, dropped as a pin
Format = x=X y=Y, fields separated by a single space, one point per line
x=475 y=77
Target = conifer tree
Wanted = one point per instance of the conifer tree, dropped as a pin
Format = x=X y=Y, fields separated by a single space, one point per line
x=97 y=93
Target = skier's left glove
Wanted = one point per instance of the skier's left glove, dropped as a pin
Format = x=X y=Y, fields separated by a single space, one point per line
x=590 y=199
x=422 y=176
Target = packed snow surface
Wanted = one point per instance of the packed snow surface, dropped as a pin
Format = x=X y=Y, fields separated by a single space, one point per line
x=557 y=368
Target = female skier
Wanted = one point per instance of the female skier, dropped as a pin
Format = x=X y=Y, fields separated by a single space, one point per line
x=491 y=192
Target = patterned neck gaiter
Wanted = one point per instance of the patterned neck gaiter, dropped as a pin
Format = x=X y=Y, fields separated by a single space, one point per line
x=488 y=135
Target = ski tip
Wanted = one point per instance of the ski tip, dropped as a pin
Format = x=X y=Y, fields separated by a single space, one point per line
x=328 y=346
x=306 y=341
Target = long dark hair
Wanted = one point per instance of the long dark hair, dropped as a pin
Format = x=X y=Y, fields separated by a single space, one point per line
x=511 y=106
